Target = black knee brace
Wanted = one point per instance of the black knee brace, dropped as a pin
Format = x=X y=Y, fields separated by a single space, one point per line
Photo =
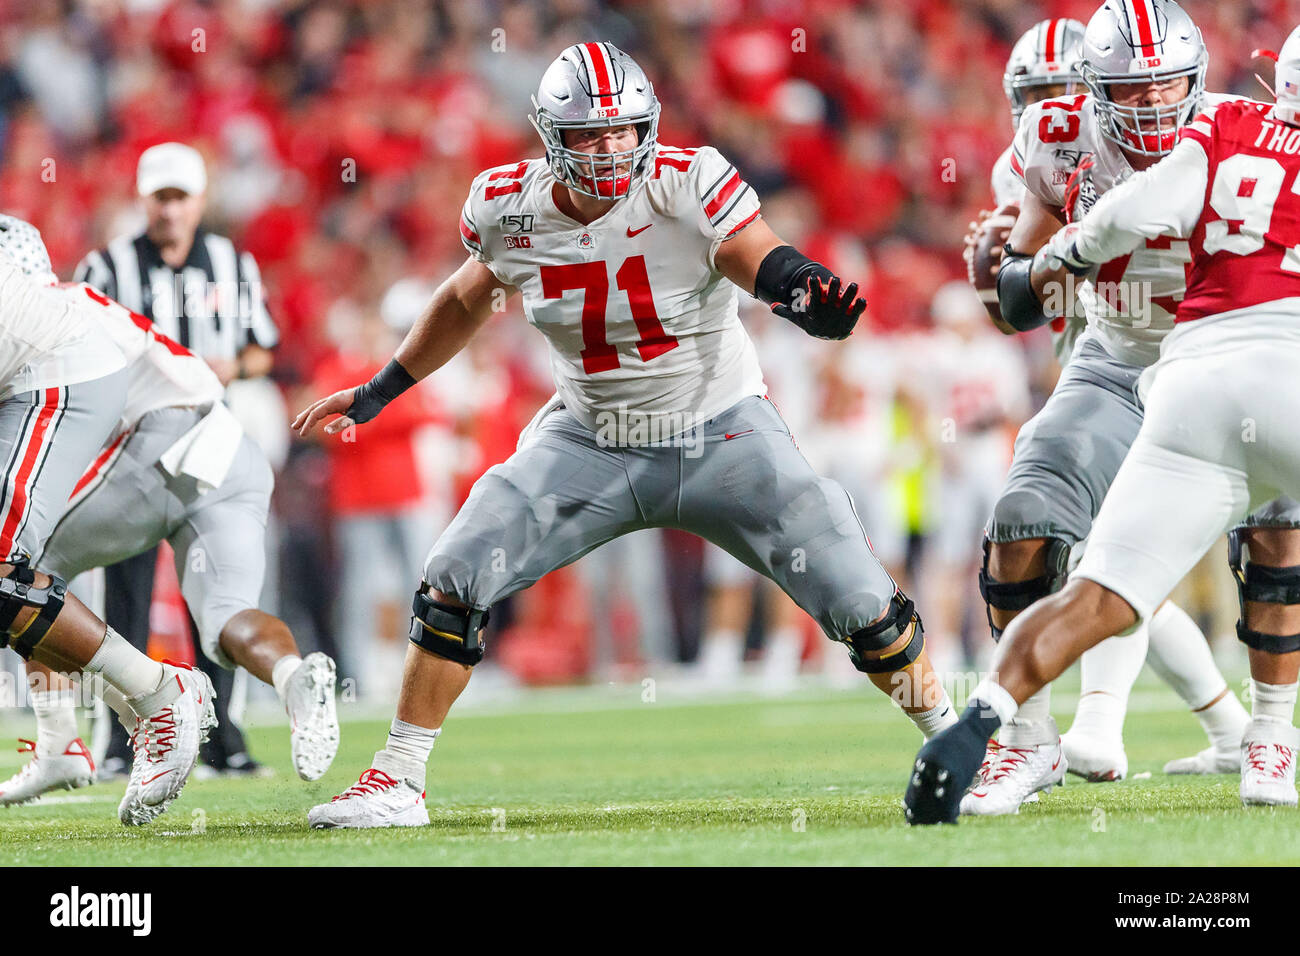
x=1018 y=595
x=1257 y=582
x=446 y=630
x=18 y=591
x=878 y=636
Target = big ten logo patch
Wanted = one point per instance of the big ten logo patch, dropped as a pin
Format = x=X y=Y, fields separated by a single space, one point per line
x=519 y=242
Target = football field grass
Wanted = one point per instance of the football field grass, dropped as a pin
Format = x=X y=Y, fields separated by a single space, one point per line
x=595 y=776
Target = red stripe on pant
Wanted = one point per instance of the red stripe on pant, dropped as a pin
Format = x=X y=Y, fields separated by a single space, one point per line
x=18 y=503
x=95 y=469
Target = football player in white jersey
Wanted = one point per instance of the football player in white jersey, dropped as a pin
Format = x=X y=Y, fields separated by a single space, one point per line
x=628 y=255
x=177 y=467
x=1230 y=189
x=1144 y=64
x=1042 y=66
x=62 y=388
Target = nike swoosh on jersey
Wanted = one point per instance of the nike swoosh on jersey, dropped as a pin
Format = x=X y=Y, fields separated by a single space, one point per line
x=728 y=437
x=636 y=232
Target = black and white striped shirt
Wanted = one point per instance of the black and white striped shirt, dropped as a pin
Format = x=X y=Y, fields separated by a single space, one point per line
x=213 y=305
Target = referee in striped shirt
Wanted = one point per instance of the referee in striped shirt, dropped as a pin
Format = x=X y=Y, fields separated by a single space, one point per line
x=202 y=292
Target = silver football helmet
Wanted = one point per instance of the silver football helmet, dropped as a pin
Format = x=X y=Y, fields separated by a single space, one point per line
x=1046 y=55
x=22 y=242
x=1140 y=41
x=1286 y=80
x=596 y=86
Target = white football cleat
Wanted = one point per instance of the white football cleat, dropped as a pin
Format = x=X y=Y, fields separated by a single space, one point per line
x=376 y=800
x=313 y=718
x=1208 y=760
x=1268 y=763
x=1095 y=760
x=179 y=716
x=1028 y=760
x=66 y=771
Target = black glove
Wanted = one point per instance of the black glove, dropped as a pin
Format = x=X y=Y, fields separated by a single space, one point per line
x=824 y=313
x=369 y=399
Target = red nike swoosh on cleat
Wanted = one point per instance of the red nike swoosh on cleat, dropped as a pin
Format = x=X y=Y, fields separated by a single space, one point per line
x=156 y=776
x=636 y=232
x=728 y=437
x=1057 y=764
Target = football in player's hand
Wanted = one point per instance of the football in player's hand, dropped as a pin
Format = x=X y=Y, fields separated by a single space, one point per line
x=984 y=254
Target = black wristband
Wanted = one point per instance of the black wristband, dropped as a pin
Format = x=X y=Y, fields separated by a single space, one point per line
x=369 y=399
x=1019 y=305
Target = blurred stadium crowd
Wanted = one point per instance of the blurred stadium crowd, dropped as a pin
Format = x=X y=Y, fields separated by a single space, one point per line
x=341 y=137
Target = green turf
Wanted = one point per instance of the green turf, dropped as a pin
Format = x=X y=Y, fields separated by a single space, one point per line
x=584 y=778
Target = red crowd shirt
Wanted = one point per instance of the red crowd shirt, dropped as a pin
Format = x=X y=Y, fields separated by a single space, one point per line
x=377 y=471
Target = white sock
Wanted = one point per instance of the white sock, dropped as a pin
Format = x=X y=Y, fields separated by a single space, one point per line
x=1100 y=716
x=1224 y=722
x=1273 y=701
x=783 y=654
x=56 y=720
x=281 y=673
x=721 y=654
x=1036 y=709
x=125 y=668
x=406 y=751
x=1180 y=655
x=939 y=717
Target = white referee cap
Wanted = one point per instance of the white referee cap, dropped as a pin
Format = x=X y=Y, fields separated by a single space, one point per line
x=171 y=166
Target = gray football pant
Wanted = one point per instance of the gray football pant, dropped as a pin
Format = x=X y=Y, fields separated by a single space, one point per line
x=1068 y=454
x=131 y=504
x=737 y=480
x=48 y=438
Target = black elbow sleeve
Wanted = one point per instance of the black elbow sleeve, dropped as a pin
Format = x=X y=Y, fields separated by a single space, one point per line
x=1019 y=305
x=783 y=271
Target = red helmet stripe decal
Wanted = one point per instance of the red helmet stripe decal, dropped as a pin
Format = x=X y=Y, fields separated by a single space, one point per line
x=1143 y=18
x=600 y=70
x=1049 y=42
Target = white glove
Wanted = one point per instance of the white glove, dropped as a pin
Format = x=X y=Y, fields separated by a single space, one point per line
x=1060 y=252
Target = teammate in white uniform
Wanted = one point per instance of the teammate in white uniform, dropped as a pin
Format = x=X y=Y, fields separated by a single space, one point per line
x=628 y=255
x=1232 y=189
x=178 y=467
x=1144 y=63
x=62 y=388
x=1042 y=66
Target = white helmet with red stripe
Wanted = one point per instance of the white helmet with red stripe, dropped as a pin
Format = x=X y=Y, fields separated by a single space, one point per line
x=22 y=242
x=1046 y=55
x=596 y=86
x=1137 y=41
x=1286 y=80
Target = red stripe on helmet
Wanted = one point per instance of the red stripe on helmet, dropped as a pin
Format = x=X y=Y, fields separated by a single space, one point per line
x=601 y=70
x=1049 y=42
x=1142 y=16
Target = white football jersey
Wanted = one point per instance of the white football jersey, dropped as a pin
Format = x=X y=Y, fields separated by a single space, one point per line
x=976 y=383
x=644 y=334
x=1130 y=301
x=1008 y=188
x=163 y=373
x=47 y=339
